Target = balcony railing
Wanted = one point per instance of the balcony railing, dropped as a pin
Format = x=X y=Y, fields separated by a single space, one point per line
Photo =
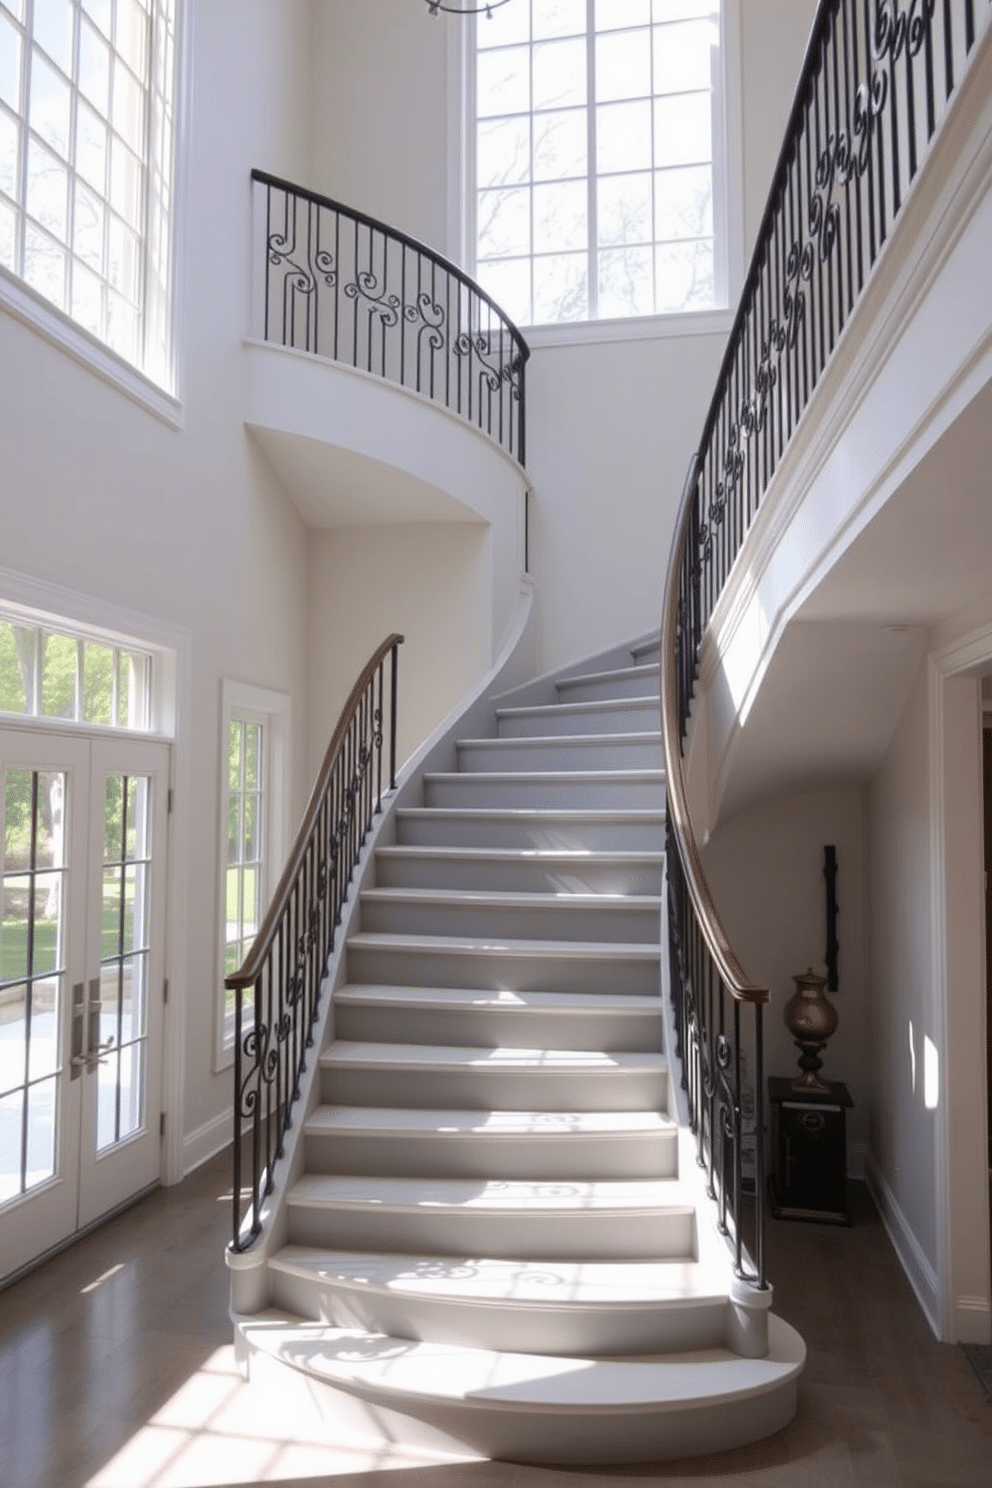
x=341 y=285
x=877 y=78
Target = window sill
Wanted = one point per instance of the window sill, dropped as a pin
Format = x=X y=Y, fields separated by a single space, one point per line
x=630 y=328
x=25 y=305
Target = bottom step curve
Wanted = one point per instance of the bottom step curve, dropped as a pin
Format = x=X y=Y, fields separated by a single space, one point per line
x=540 y=1409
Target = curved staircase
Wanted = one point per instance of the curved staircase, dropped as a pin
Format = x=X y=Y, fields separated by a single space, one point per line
x=501 y=1231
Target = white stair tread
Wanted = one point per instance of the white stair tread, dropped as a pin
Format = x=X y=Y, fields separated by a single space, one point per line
x=535 y=813
x=414 y=1121
x=583 y=950
x=567 y=855
x=539 y=1198
x=578 y=710
x=503 y=899
x=615 y=674
x=400 y=1368
x=476 y=778
x=622 y=736
x=434 y=1056
x=551 y=1283
x=469 y=997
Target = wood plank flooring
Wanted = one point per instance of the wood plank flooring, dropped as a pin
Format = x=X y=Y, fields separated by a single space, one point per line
x=116 y=1371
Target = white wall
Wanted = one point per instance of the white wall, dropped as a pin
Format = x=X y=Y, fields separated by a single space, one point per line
x=186 y=526
x=765 y=868
x=430 y=582
x=610 y=432
x=380 y=112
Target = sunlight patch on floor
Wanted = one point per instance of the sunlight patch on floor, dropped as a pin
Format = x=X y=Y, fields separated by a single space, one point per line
x=217 y=1430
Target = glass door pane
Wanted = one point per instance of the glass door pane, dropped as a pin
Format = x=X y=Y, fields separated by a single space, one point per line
x=122 y=1095
x=124 y=950
x=44 y=781
x=32 y=976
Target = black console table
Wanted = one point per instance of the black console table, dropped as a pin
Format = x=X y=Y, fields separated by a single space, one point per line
x=809 y=1152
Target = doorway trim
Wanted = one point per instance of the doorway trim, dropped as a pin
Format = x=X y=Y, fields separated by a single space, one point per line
x=959 y=976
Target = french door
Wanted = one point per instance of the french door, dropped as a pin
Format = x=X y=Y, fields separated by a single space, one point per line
x=81 y=980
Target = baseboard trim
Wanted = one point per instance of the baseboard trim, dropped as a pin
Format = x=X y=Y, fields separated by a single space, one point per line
x=205 y=1142
x=912 y=1257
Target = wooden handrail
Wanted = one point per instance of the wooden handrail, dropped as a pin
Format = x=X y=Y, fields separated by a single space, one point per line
x=735 y=978
x=262 y=945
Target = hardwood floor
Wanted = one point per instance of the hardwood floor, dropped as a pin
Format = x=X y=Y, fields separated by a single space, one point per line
x=117 y=1371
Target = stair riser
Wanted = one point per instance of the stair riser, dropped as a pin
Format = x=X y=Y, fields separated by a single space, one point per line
x=561 y=754
x=563 y=1331
x=493 y=1028
x=592 y=690
x=512 y=971
x=436 y=1155
x=654 y=1234
x=520 y=875
x=557 y=920
x=481 y=1089
x=530 y=833
x=612 y=793
x=636 y=716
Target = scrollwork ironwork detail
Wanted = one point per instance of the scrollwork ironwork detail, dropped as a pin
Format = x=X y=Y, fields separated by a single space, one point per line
x=380 y=305
x=842 y=162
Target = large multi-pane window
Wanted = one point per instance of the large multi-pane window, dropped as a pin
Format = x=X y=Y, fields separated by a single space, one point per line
x=87 y=99
x=595 y=153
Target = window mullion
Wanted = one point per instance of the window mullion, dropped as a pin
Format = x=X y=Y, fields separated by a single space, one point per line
x=654 y=176
x=591 y=167
x=21 y=246
x=531 y=274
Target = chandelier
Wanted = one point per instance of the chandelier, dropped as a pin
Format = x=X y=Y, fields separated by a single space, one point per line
x=463 y=7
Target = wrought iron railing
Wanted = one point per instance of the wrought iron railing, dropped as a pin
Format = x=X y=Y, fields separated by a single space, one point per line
x=277 y=990
x=877 y=77
x=876 y=80
x=717 y=1007
x=341 y=285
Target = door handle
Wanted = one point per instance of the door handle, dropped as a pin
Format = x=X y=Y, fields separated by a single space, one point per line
x=95 y=1048
x=77 y=1059
x=88 y=1058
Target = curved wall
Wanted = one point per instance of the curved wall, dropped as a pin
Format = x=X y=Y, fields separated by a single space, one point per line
x=415 y=524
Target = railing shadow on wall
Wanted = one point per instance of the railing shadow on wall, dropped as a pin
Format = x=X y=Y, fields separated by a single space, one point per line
x=877 y=78
x=278 y=989
x=341 y=285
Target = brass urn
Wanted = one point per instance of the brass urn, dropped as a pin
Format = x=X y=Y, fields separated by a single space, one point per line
x=812 y=1019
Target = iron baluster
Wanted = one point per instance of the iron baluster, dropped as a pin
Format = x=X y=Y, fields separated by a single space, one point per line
x=285 y=968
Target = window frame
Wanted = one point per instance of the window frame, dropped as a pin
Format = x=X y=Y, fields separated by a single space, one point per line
x=154 y=388
x=727 y=196
x=243 y=702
